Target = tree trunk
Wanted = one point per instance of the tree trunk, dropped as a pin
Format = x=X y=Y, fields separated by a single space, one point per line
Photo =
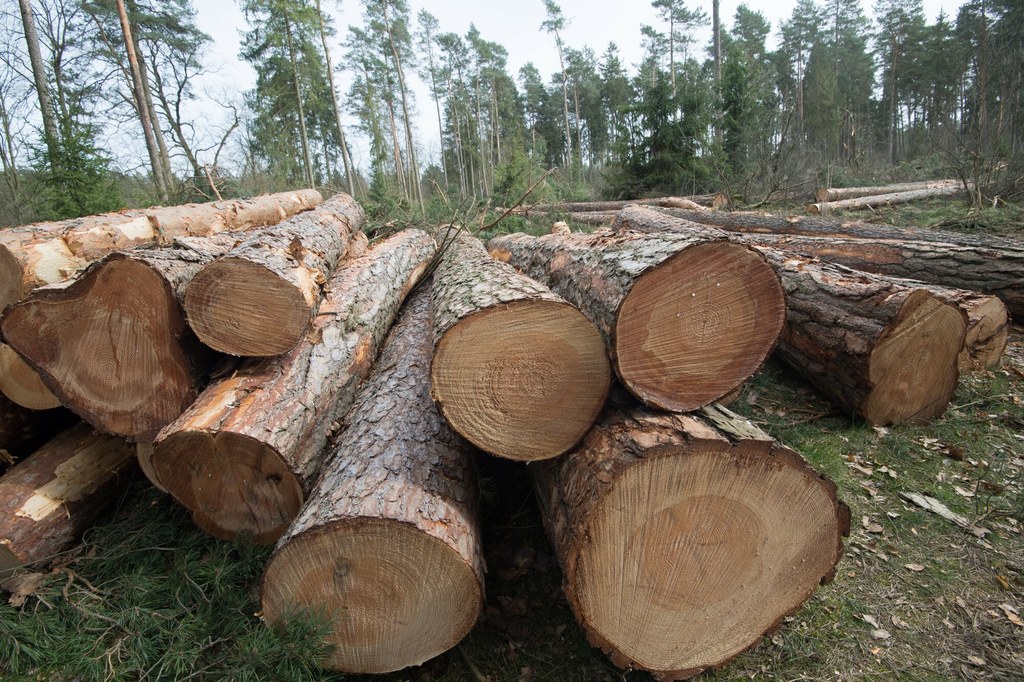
x=686 y=318
x=882 y=200
x=881 y=348
x=349 y=171
x=829 y=194
x=307 y=163
x=398 y=490
x=604 y=206
x=259 y=299
x=113 y=344
x=51 y=498
x=685 y=539
x=140 y=103
x=47 y=253
x=21 y=383
x=243 y=456
x=517 y=371
x=39 y=78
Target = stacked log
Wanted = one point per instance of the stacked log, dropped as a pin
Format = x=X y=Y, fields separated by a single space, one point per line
x=882 y=349
x=48 y=500
x=259 y=298
x=716 y=201
x=243 y=455
x=684 y=539
x=829 y=194
x=113 y=344
x=883 y=200
x=46 y=253
x=517 y=370
x=387 y=546
x=686 y=317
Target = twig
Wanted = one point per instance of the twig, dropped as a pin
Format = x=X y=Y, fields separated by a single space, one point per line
x=518 y=203
x=213 y=185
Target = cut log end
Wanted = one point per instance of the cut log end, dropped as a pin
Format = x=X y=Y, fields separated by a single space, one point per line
x=21 y=383
x=914 y=367
x=698 y=326
x=987 y=335
x=11 y=287
x=695 y=557
x=123 y=373
x=235 y=486
x=396 y=596
x=522 y=381
x=239 y=307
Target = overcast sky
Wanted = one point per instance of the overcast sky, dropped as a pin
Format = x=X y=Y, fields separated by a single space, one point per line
x=515 y=25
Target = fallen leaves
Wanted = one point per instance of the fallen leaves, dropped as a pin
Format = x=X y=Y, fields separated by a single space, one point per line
x=916 y=568
x=23 y=586
x=1012 y=614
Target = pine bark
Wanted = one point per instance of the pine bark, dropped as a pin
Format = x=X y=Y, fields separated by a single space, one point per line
x=882 y=200
x=398 y=489
x=113 y=344
x=260 y=298
x=48 y=500
x=878 y=347
x=242 y=457
x=517 y=370
x=685 y=318
x=829 y=194
x=46 y=253
x=685 y=539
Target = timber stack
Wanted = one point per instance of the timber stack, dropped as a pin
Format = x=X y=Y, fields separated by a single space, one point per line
x=243 y=364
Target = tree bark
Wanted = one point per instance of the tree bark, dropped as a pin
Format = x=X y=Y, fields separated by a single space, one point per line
x=243 y=456
x=113 y=344
x=47 y=253
x=51 y=498
x=140 y=103
x=685 y=539
x=398 y=490
x=39 y=78
x=21 y=383
x=882 y=200
x=260 y=297
x=829 y=194
x=881 y=348
x=685 y=318
x=349 y=171
x=517 y=371
x=307 y=164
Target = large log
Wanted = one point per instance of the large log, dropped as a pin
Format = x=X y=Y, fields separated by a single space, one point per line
x=242 y=457
x=686 y=318
x=883 y=200
x=684 y=539
x=387 y=546
x=711 y=200
x=54 y=495
x=827 y=194
x=47 y=253
x=259 y=298
x=885 y=349
x=517 y=370
x=22 y=384
x=113 y=344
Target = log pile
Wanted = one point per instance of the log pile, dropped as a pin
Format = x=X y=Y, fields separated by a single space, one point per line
x=880 y=197
x=666 y=511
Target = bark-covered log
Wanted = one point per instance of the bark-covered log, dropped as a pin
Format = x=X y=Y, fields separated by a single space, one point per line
x=517 y=370
x=47 y=253
x=22 y=384
x=882 y=200
x=54 y=495
x=260 y=297
x=716 y=200
x=684 y=539
x=997 y=270
x=242 y=457
x=387 y=546
x=597 y=218
x=686 y=318
x=113 y=344
x=826 y=194
x=882 y=348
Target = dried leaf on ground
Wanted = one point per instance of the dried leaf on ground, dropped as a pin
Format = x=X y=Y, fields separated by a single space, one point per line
x=22 y=587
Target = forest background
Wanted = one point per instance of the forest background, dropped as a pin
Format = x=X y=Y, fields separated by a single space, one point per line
x=102 y=104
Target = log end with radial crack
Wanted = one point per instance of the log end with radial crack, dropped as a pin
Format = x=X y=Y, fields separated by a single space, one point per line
x=683 y=540
x=109 y=346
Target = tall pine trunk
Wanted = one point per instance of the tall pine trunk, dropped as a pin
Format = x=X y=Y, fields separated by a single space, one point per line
x=334 y=100
x=39 y=77
x=307 y=164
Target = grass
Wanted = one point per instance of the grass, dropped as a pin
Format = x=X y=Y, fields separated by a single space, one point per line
x=148 y=596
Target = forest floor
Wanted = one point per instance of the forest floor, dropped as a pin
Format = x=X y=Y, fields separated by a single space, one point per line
x=148 y=596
